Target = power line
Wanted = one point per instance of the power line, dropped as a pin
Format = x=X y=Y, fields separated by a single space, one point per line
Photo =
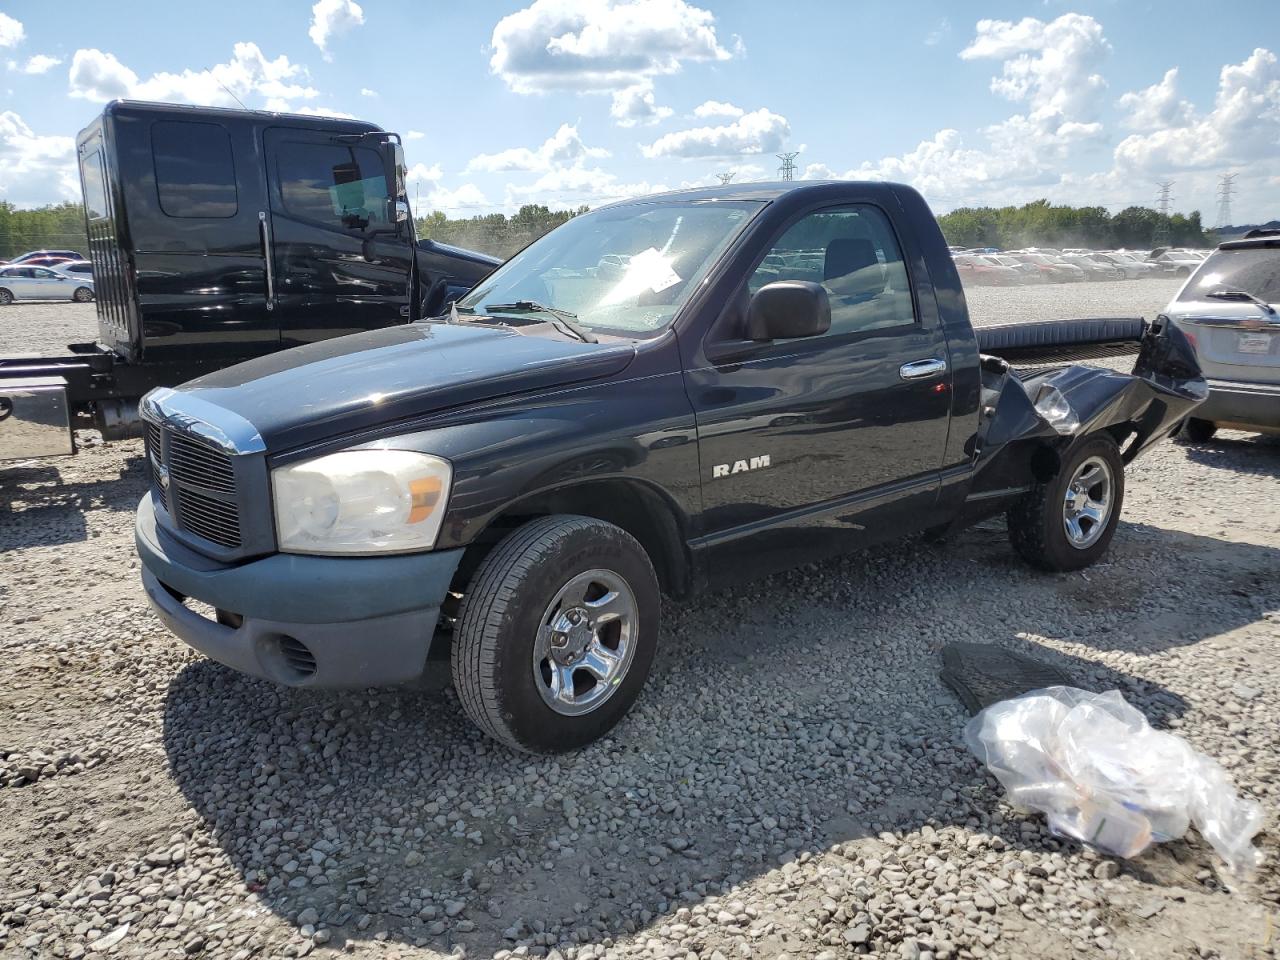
x=788 y=169
x=1164 y=200
x=1226 y=186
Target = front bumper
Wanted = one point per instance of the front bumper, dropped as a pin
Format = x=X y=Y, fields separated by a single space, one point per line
x=1248 y=405
x=299 y=620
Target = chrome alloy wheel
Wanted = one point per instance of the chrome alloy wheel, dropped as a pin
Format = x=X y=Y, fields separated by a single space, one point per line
x=1088 y=501
x=586 y=642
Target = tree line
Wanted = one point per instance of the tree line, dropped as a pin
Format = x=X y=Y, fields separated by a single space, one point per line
x=1038 y=224
x=1042 y=224
x=56 y=226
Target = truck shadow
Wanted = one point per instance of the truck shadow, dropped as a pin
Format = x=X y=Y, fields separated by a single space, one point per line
x=800 y=715
x=39 y=508
x=1258 y=454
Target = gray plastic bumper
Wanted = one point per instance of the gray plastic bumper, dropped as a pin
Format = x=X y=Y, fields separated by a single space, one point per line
x=300 y=621
x=1254 y=404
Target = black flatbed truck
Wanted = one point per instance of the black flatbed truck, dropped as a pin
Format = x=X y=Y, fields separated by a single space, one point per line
x=217 y=236
x=659 y=396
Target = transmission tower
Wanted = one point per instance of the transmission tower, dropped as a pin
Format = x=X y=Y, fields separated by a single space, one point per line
x=788 y=169
x=1226 y=186
x=1164 y=200
x=726 y=178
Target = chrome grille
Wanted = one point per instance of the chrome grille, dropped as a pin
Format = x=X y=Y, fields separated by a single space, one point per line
x=196 y=484
x=154 y=464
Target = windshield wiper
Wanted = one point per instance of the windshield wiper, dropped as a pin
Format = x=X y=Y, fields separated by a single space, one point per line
x=1224 y=293
x=563 y=320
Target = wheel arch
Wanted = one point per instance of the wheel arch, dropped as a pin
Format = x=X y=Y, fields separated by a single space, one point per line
x=646 y=513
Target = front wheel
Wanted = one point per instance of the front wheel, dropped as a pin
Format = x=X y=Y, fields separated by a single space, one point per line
x=1067 y=522
x=6 y=297
x=556 y=634
x=82 y=295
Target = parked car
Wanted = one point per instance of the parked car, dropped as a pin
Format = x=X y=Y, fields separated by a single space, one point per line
x=25 y=282
x=1094 y=269
x=46 y=261
x=1177 y=263
x=1130 y=265
x=1051 y=268
x=1230 y=312
x=984 y=270
x=37 y=254
x=560 y=463
x=1027 y=272
x=76 y=268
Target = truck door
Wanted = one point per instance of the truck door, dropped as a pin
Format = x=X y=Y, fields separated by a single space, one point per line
x=825 y=443
x=338 y=265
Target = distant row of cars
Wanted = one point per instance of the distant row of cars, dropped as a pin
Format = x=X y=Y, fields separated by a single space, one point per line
x=47 y=275
x=1009 y=268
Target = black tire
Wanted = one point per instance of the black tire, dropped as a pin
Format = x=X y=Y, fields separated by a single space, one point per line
x=82 y=295
x=1036 y=520
x=1199 y=431
x=6 y=297
x=502 y=612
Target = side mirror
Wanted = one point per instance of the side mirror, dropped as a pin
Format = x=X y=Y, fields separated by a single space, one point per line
x=788 y=309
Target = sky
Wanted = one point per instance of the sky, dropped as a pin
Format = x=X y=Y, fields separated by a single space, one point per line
x=572 y=102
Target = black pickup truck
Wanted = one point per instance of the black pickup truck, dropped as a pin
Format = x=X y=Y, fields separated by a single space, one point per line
x=658 y=396
x=217 y=236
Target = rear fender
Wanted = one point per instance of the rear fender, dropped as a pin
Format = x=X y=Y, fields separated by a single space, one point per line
x=1019 y=446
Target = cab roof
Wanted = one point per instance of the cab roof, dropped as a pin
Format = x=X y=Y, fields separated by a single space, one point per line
x=768 y=190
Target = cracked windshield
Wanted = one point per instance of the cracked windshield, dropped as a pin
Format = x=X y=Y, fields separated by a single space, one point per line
x=622 y=270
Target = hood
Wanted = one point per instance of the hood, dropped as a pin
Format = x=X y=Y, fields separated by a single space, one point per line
x=308 y=394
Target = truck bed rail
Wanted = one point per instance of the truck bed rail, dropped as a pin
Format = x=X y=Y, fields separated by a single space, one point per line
x=1054 y=341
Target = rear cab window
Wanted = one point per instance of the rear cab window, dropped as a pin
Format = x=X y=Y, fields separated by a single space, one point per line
x=195 y=171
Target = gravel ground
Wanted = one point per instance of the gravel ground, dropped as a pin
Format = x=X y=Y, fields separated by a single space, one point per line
x=792 y=782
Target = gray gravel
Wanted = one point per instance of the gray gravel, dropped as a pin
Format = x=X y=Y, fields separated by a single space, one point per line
x=792 y=782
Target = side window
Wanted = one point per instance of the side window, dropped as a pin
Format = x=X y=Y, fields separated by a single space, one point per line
x=43 y=274
x=853 y=252
x=195 y=175
x=95 y=186
x=337 y=186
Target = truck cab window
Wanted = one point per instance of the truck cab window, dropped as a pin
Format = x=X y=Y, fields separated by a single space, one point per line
x=853 y=253
x=195 y=175
x=333 y=185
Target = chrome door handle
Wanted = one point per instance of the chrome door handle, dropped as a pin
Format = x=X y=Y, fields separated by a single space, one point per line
x=264 y=227
x=919 y=369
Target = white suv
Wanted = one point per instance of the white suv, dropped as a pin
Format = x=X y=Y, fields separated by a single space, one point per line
x=1230 y=311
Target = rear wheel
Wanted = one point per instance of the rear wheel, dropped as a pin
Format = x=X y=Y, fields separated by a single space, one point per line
x=1199 y=431
x=556 y=634
x=1067 y=522
x=6 y=297
x=82 y=295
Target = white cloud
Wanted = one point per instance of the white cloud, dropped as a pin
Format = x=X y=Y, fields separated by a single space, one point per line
x=573 y=186
x=27 y=159
x=757 y=132
x=11 y=31
x=1243 y=127
x=323 y=112
x=635 y=106
x=37 y=64
x=420 y=171
x=717 y=108
x=1157 y=106
x=332 y=18
x=99 y=76
x=595 y=46
x=1052 y=68
x=366 y=92
x=938 y=33
x=414 y=135
x=563 y=148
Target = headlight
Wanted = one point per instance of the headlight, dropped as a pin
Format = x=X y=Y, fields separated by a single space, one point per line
x=1054 y=407
x=361 y=501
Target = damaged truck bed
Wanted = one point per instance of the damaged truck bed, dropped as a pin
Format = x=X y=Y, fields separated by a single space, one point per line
x=663 y=395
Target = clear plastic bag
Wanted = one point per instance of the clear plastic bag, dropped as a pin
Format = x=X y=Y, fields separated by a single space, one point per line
x=1102 y=775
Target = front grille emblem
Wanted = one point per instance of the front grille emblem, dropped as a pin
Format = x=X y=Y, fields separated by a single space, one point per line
x=162 y=476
